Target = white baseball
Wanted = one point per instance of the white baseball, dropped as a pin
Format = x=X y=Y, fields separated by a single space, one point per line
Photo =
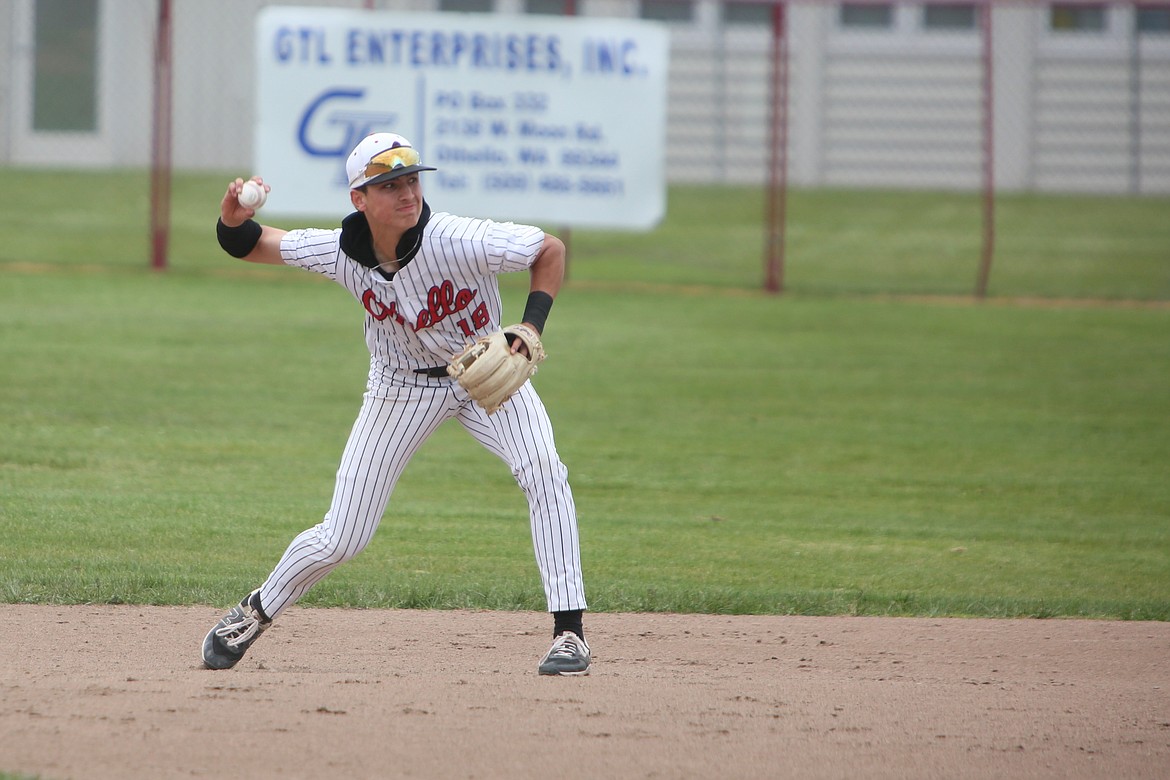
x=252 y=195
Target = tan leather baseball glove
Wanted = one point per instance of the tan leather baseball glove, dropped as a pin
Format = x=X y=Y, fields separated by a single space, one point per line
x=489 y=370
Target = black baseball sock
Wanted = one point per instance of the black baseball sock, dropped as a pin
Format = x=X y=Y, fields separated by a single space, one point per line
x=254 y=602
x=568 y=620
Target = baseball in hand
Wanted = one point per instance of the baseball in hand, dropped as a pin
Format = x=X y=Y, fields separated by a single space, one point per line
x=252 y=195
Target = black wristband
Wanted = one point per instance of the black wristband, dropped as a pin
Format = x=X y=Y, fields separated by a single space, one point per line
x=537 y=308
x=239 y=241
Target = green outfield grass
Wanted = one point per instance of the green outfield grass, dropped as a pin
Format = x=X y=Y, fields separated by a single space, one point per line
x=163 y=436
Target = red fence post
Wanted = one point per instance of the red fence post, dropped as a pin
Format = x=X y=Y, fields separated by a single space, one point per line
x=778 y=152
x=160 y=167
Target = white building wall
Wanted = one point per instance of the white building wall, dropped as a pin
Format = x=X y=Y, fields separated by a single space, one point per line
x=125 y=45
x=1101 y=113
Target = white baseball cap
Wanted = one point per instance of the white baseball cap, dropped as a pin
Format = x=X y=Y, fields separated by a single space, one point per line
x=381 y=157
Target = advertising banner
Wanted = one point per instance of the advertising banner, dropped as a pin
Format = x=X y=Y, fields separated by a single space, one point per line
x=549 y=120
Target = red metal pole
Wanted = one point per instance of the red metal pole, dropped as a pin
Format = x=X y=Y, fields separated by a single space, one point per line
x=988 y=152
x=778 y=153
x=160 y=169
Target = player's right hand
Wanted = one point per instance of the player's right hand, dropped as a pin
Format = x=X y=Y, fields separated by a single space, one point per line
x=230 y=211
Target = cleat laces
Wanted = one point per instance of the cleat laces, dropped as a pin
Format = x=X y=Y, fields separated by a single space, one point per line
x=240 y=631
x=567 y=645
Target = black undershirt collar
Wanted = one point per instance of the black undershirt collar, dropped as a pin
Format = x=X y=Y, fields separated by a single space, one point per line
x=357 y=241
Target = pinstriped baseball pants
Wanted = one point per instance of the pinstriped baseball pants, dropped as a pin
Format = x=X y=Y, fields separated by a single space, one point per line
x=389 y=429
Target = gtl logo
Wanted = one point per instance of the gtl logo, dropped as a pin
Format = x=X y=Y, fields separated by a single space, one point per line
x=330 y=128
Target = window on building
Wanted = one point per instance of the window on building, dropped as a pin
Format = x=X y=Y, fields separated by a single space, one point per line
x=748 y=14
x=1077 y=18
x=547 y=7
x=668 y=10
x=949 y=16
x=65 y=80
x=467 y=6
x=868 y=16
x=1153 y=19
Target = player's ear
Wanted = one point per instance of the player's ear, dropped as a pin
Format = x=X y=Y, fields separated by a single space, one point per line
x=358 y=199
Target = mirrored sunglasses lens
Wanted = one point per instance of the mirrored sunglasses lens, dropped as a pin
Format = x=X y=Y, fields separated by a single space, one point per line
x=386 y=161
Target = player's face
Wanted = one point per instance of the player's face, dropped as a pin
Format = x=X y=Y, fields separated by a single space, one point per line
x=397 y=203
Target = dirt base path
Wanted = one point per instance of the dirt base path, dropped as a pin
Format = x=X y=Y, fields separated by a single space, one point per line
x=118 y=692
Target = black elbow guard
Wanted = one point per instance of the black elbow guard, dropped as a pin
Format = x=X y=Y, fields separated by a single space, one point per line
x=239 y=241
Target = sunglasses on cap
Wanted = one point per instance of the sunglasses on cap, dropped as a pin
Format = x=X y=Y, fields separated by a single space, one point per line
x=390 y=159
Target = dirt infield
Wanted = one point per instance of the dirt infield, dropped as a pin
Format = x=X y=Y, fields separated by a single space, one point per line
x=118 y=692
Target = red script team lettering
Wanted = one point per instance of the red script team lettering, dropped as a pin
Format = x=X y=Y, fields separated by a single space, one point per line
x=443 y=301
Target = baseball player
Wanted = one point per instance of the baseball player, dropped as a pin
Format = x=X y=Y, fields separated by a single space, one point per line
x=427 y=282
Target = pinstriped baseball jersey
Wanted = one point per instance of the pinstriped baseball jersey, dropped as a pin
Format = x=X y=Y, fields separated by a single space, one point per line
x=443 y=297
x=441 y=300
